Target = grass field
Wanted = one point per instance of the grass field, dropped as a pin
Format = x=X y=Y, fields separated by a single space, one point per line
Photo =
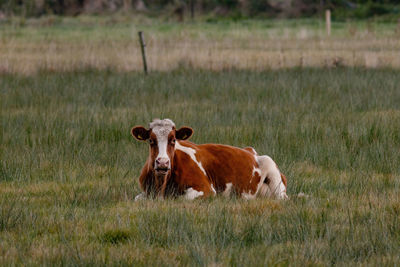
x=66 y=44
x=69 y=168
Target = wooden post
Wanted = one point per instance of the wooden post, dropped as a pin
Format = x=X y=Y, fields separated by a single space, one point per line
x=328 y=22
x=142 y=47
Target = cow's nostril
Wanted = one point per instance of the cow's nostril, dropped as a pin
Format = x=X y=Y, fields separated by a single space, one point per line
x=162 y=163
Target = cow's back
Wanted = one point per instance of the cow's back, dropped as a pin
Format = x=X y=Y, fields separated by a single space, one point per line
x=226 y=166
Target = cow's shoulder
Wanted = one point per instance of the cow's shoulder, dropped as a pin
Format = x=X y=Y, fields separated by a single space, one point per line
x=187 y=159
x=226 y=152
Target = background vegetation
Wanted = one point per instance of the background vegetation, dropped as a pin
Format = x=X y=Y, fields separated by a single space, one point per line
x=387 y=10
x=69 y=167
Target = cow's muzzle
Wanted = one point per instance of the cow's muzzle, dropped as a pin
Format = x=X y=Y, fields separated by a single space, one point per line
x=162 y=166
x=162 y=171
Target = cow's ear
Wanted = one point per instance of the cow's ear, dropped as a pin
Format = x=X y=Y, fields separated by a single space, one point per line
x=184 y=133
x=140 y=133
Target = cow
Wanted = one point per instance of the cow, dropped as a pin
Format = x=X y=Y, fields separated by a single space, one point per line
x=178 y=167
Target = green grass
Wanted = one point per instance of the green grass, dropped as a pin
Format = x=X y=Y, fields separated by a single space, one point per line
x=69 y=168
x=119 y=27
x=62 y=44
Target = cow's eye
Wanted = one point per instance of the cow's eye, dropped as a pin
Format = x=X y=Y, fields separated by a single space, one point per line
x=151 y=142
x=173 y=141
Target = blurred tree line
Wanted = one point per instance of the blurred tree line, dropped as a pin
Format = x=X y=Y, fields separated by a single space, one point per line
x=236 y=9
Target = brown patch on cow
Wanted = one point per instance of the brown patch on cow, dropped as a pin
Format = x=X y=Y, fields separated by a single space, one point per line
x=254 y=181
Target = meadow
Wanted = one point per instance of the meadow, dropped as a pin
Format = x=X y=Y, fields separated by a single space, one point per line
x=67 y=44
x=69 y=166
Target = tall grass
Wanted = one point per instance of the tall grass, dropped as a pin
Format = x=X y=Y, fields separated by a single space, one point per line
x=69 y=167
x=65 y=44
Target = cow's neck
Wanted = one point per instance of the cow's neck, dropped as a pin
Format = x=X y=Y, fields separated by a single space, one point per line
x=154 y=184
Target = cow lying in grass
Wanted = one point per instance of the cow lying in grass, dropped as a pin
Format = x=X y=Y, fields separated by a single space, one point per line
x=179 y=167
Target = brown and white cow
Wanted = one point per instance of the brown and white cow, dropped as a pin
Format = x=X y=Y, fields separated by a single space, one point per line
x=179 y=167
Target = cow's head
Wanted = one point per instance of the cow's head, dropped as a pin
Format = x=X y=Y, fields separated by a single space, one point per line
x=161 y=136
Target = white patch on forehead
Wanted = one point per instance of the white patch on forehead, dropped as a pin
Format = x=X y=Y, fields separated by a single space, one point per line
x=162 y=128
x=191 y=152
x=162 y=142
x=161 y=123
x=191 y=194
x=161 y=132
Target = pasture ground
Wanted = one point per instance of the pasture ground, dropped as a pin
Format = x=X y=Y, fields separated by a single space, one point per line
x=67 y=44
x=69 y=168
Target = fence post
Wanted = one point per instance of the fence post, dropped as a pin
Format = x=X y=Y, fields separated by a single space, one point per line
x=142 y=47
x=328 y=21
